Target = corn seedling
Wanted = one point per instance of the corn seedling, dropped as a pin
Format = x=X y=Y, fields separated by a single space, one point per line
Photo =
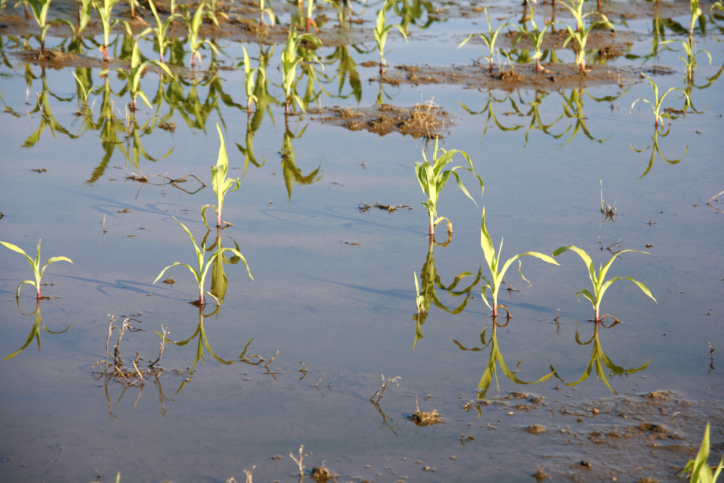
x=536 y=38
x=656 y=105
x=290 y=60
x=497 y=274
x=35 y=265
x=40 y=13
x=695 y=13
x=690 y=60
x=84 y=16
x=489 y=39
x=133 y=76
x=599 y=360
x=699 y=468
x=161 y=29
x=381 y=32
x=193 y=24
x=580 y=35
x=220 y=183
x=495 y=359
x=105 y=9
x=268 y=11
x=599 y=282
x=200 y=273
x=432 y=180
x=35 y=331
x=250 y=81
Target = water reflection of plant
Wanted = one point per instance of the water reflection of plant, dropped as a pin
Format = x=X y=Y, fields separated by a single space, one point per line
x=599 y=359
x=598 y=280
x=426 y=294
x=432 y=180
x=573 y=109
x=496 y=359
x=35 y=330
x=497 y=273
x=219 y=283
x=347 y=70
x=292 y=56
x=654 y=146
x=489 y=108
x=34 y=265
x=412 y=13
x=291 y=171
x=47 y=119
x=658 y=101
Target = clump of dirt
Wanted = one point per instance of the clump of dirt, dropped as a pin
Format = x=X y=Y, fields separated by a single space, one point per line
x=535 y=429
x=422 y=418
x=555 y=76
x=609 y=52
x=422 y=120
x=321 y=474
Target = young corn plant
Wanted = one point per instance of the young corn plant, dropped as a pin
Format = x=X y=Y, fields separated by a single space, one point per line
x=536 y=38
x=497 y=274
x=200 y=273
x=133 y=76
x=489 y=39
x=690 y=60
x=432 y=180
x=599 y=360
x=699 y=468
x=84 y=16
x=580 y=35
x=193 y=24
x=105 y=9
x=381 y=32
x=161 y=30
x=35 y=265
x=600 y=284
x=290 y=60
x=40 y=13
x=656 y=105
x=695 y=13
x=220 y=183
x=268 y=11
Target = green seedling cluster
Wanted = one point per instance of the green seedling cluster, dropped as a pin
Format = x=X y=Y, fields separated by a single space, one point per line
x=581 y=33
x=535 y=36
x=35 y=265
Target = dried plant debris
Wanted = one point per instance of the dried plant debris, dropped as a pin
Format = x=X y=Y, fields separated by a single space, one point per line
x=321 y=474
x=535 y=429
x=557 y=76
x=365 y=207
x=423 y=120
x=422 y=418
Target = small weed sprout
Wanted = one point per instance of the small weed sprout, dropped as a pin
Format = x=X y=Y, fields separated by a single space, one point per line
x=536 y=37
x=599 y=282
x=699 y=468
x=496 y=273
x=35 y=265
x=200 y=274
x=432 y=180
x=220 y=183
x=133 y=77
x=290 y=60
x=580 y=35
x=193 y=24
x=489 y=39
x=656 y=105
x=381 y=32
x=104 y=12
x=162 y=28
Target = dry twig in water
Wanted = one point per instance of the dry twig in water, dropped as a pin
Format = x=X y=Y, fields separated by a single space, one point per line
x=299 y=461
x=383 y=387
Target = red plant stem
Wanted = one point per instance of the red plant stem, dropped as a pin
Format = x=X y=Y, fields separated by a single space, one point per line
x=491 y=64
x=537 y=65
x=38 y=287
x=309 y=23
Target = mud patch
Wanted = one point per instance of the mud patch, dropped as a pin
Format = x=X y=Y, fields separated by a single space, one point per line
x=422 y=120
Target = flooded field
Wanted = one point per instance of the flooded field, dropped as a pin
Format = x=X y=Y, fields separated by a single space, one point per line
x=360 y=337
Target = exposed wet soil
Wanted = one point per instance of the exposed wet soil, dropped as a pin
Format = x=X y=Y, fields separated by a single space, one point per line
x=422 y=120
